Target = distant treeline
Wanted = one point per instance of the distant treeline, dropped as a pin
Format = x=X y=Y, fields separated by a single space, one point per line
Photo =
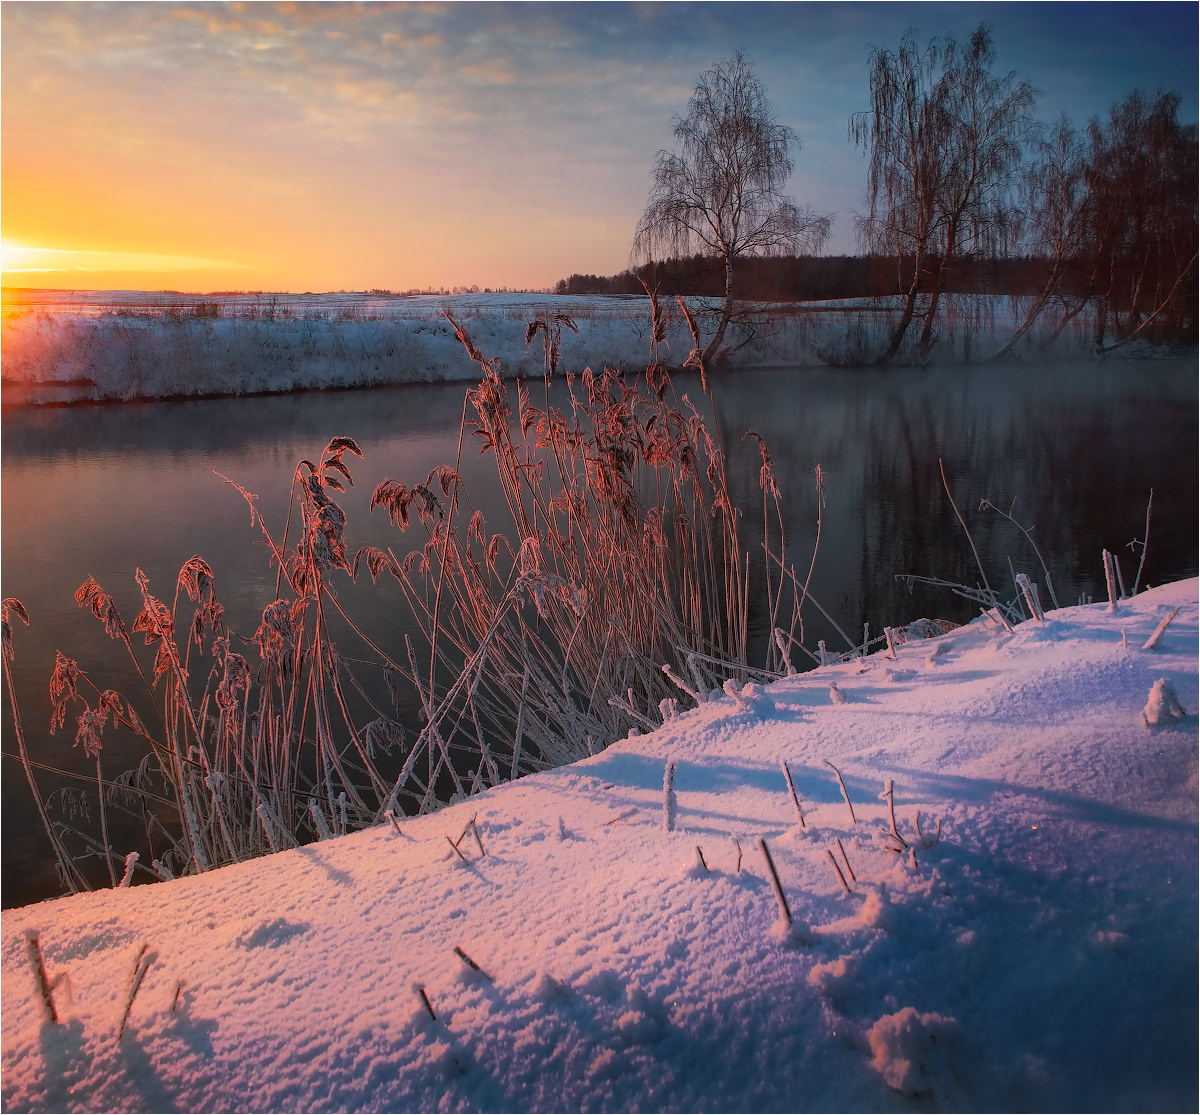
x=810 y=278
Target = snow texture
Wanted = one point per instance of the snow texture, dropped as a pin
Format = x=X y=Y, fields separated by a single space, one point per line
x=71 y=346
x=1037 y=952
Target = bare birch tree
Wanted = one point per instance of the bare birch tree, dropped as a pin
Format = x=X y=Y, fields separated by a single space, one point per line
x=1056 y=228
x=722 y=193
x=1142 y=183
x=945 y=141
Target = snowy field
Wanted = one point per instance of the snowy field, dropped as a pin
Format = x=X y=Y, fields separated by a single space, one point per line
x=62 y=346
x=550 y=945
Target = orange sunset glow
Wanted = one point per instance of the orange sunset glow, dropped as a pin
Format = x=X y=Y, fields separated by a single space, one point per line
x=346 y=146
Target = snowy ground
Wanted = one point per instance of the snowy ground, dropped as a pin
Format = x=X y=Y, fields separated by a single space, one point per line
x=1040 y=955
x=64 y=346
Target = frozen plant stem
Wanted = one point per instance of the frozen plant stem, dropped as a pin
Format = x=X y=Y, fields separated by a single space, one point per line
x=669 y=805
x=478 y=838
x=846 y=859
x=1142 y=560
x=425 y=1002
x=34 y=951
x=471 y=963
x=889 y=794
x=784 y=909
x=787 y=774
x=1110 y=580
x=841 y=877
x=1152 y=642
x=456 y=851
x=140 y=967
x=1029 y=591
x=130 y=860
x=971 y=540
x=842 y=786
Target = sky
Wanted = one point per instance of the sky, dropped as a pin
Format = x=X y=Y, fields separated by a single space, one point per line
x=316 y=147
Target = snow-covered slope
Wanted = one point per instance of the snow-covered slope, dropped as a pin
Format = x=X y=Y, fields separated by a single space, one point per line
x=1040 y=954
x=63 y=346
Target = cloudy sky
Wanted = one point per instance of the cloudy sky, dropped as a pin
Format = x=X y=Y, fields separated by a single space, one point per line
x=338 y=146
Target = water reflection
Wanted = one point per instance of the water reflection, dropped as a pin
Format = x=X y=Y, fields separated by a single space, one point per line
x=1073 y=451
x=104 y=490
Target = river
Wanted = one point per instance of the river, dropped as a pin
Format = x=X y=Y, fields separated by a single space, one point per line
x=1071 y=450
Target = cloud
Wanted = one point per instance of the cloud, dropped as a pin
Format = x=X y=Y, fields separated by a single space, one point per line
x=414 y=114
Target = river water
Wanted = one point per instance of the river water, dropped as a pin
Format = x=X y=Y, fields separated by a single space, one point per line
x=106 y=490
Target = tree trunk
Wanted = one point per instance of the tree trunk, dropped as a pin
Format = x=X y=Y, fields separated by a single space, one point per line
x=910 y=307
x=1049 y=289
x=1069 y=315
x=926 y=338
x=714 y=345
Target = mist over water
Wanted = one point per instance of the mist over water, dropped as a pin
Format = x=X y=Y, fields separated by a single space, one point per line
x=105 y=490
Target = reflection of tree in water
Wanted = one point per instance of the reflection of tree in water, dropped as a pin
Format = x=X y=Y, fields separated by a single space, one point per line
x=1078 y=449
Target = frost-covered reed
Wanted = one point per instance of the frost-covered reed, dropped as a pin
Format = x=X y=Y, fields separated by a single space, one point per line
x=618 y=570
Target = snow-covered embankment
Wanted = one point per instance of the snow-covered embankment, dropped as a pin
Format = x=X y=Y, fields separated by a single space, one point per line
x=129 y=344
x=1032 y=947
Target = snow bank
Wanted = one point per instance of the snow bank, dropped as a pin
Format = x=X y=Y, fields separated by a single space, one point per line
x=130 y=344
x=1023 y=937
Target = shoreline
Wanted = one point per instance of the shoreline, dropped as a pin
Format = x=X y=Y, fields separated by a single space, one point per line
x=1048 y=915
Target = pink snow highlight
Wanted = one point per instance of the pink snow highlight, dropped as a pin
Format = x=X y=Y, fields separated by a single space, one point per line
x=1039 y=954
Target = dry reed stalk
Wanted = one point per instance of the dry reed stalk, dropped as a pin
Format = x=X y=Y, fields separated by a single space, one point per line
x=68 y=871
x=700 y=857
x=471 y=963
x=1109 y=580
x=456 y=850
x=846 y=860
x=425 y=1001
x=842 y=787
x=620 y=583
x=784 y=910
x=1157 y=634
x=33 y=950
x=1028 y=533
x=841 y=877
x=889 y=795
x=787 y=774
x=963 y=524
x=669 y=801
x=1137 y=580
x=140 y=967
x=478 y=838
x=1029 y=591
